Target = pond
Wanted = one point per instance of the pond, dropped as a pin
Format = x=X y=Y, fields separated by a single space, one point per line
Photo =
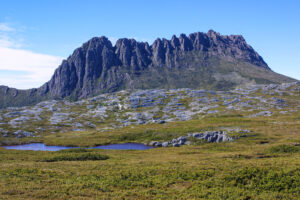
x=43 y=147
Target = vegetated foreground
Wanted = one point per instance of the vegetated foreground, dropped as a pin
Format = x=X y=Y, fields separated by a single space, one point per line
x=263 y=165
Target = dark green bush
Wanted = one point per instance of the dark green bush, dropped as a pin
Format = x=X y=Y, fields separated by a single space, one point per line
x=77 y=157
x=75 y=150
x=261 y=179
x=284 y=149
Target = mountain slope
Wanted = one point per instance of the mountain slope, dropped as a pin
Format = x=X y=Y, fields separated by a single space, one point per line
x=201 y=60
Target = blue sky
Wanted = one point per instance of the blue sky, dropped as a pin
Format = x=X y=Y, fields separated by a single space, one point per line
x=36 y=35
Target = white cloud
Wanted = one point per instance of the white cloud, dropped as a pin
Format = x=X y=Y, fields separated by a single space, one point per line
x=21 y=68
x=32 y=69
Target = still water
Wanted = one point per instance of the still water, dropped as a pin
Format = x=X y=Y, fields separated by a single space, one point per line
x=43 y=147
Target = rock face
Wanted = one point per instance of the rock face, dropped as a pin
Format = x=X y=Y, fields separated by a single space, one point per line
x=206 y=60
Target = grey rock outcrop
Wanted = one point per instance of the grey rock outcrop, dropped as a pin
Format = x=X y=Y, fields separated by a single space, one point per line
x=209 y=136
x=106 y=112
x=165 y=144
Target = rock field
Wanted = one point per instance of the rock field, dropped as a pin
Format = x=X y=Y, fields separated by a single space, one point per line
x=124 y=108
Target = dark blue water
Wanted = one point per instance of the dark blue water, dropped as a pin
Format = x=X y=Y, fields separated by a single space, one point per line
x=43 y=147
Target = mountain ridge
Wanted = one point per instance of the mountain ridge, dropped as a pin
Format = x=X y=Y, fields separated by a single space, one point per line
x=200 y=60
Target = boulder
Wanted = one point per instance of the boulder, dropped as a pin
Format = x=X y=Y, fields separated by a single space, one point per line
x=176 y=145
x=89 y=124
x=161 y=121
x=165 y=144
x=153 y=143
x=78 y=125
x=158 y=144
x=182 y=138
x=197 y=135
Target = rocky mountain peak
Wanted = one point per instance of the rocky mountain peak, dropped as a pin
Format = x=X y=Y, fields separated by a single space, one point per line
x=199 y=59
x=138 y=55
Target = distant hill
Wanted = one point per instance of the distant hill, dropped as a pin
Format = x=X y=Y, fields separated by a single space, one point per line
x=200 y=60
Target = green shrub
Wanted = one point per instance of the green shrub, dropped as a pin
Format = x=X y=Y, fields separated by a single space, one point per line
x=77 y=157
x=284 y=149
x=75 y=150
x=261 y=179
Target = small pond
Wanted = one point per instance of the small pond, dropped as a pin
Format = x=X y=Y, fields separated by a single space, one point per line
x=43 y=147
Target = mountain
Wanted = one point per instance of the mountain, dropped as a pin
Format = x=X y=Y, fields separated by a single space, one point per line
x=200 y=60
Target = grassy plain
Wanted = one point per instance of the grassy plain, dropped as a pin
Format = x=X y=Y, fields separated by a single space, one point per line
x=264 y=165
